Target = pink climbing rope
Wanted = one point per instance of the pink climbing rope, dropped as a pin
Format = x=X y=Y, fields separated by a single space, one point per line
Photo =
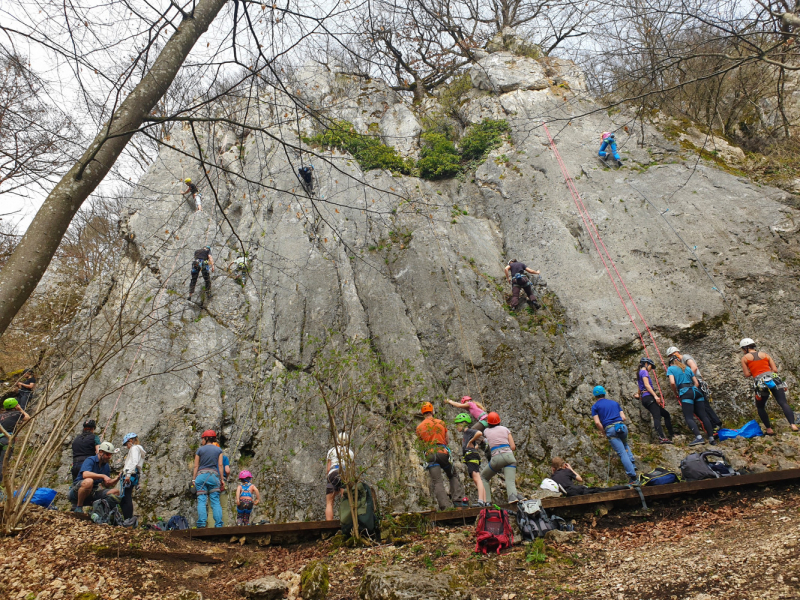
x=597 y=240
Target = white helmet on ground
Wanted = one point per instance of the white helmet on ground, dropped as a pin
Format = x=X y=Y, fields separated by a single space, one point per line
x=672 y=350
x=746 y=342
x=549 y=485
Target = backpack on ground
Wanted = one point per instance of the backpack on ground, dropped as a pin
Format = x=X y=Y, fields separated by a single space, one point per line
x=659 y=476
x=697 y=467
x=369 y=518
x=177 y=522
x=534 y=522
x=105 y=512
x=493 y=531
x=156 y=526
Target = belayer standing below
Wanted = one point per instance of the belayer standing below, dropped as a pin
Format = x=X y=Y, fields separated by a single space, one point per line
x=501 y=443
x=202 y=263
x=684 y=385
x=516 y=274
x=761 y=367
x=206 y=478
x=83 y=446
x=651 y=400
x=690 y=362
x=471 y=456
x=196 y=195
x=610 y=421
x=131 y=473
x=609 y=142
x=247 y=497
x=434 y=436
x=335 y=469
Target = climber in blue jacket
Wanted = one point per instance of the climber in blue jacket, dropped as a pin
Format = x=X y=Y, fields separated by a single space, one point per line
x=609 y=141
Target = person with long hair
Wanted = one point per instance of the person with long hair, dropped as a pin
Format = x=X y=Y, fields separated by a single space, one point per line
x=761 y=367
x=501 y=443
x=685 y=387
x=651 y=400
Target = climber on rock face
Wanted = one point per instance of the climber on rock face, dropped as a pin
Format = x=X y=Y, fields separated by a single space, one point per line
x=610 y=421
x=307 y=179
x=609 y=142
x=434 y=437
x=690 y=362
x=516 y=275
x=761 y=367
x=203 y=261
x=196 y=195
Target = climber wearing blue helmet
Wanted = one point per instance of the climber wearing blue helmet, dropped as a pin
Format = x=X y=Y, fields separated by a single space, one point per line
x=610 y=421
x=609 y=142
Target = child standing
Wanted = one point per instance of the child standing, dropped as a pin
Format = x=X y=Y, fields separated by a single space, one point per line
x=247 y=496
x=471 y=456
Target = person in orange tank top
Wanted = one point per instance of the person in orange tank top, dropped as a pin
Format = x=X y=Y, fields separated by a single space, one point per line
x=432 y=434
x=761 y=367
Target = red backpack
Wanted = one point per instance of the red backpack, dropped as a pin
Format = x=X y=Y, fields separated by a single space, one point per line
x=493 y=531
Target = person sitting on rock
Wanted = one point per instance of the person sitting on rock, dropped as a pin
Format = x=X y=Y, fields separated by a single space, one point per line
x=94 y=481
x=516 y=275
x=335 y=469
x=684 y=386
x=610 y=422
x=247 y=497
x=609 y=142
x=471 y=456
x=131 y=473
x=434 y=437
x=761 y=367
x=207 y=480
x=652 y=401
x=10 y=416
x=196 y=195
x=690 y=362
x=203 y=261
x=502 y=446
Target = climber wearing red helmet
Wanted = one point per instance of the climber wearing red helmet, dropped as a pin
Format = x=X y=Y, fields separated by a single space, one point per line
x=434 y=437
x=207 y=478
x=503 y=461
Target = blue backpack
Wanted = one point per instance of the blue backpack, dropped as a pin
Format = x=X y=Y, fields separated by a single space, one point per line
x=659 y=476
x=177 y=522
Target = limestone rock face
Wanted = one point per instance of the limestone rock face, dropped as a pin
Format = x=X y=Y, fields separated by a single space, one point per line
x=394 y=583
x=417 y=267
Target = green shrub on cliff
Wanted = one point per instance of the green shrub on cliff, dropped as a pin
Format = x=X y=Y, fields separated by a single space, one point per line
x=368 y=150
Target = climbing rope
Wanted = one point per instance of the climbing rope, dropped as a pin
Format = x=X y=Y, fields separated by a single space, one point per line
x=598 y=242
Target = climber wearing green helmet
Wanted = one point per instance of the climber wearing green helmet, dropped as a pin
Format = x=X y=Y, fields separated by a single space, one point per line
x=471 y=456
x=10 y=416
x=192 y=189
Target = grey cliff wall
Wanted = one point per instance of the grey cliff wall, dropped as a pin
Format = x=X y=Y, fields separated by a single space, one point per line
x=314 y=269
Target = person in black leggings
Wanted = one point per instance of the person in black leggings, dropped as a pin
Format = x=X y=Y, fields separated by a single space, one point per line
x=651 y=401
x=761 y=367
x=684 y=386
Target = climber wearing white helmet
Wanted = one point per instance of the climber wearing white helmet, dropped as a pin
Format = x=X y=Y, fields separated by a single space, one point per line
x=196 y=195
x=94 y=472
x=761 y=367
x=339 y=457
x=690 y=362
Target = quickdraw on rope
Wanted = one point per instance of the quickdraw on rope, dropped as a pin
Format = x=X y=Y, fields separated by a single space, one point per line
x=597 y=240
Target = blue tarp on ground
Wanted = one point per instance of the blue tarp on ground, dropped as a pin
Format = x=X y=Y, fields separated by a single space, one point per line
x=42 y=496
x=750 y=429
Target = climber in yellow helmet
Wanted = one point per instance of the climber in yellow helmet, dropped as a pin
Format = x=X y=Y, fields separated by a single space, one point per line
x=192 y=189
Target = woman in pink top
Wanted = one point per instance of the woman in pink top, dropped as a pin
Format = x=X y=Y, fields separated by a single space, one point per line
x=503 y=461
x=476 y=411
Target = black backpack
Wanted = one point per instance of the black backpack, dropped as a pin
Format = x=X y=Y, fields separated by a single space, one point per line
x=106 y=512
x=533 y=521
x=696 y=467
x=369 y=517
x=177 y=522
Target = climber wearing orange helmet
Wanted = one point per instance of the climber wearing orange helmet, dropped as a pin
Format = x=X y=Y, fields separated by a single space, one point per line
x=434 y=437
x=207 y=478
x=502 y=446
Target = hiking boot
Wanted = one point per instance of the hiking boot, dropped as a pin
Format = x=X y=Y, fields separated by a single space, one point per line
x=697 y=441
x=712 y=441
x=664 y=441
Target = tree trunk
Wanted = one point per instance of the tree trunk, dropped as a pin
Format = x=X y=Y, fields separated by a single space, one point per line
x=31 y=257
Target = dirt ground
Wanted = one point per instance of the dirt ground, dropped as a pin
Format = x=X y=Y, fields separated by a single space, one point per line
x=732 y=545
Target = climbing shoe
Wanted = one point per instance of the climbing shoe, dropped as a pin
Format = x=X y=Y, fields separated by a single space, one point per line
x=697 y=441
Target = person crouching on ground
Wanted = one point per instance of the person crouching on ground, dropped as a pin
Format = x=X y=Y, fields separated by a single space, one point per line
x=502 y=446
x=434 y=436
x=335 y=469
x=471 y=456
x=206 y=478
x=247 y=497
x=610 y=421
x=94 y=473
x=131 y=473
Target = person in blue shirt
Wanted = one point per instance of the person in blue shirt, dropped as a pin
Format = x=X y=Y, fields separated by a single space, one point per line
x=94 y=473
x=685 y=387
x=610 y=421
x=608 y=148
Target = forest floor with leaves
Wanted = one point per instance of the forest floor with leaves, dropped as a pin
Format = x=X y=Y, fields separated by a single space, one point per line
x=733 y=545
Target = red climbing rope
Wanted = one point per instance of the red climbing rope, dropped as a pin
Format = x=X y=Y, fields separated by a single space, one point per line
x=597 y=240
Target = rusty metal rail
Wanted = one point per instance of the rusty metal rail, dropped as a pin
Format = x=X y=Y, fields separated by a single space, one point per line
x=660 y=492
